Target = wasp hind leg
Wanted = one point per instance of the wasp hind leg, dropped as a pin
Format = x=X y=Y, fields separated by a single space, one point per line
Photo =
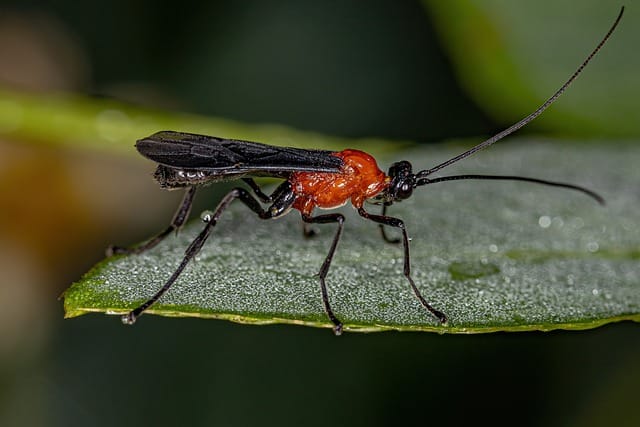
x=177 y=222
x=279 y=207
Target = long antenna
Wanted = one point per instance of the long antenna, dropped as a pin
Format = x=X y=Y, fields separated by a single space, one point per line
x=590 y=193
x=531 y=116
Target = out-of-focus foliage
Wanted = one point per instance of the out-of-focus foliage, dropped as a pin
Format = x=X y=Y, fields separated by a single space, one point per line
x=510 y=55
x=107 y=125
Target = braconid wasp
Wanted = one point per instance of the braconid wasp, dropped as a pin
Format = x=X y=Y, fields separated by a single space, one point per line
x=312 y=179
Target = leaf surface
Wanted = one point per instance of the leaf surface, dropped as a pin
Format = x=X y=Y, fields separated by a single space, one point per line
x=494 y=256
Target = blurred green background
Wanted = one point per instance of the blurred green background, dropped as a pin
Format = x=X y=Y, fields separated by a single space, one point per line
x=403 y=71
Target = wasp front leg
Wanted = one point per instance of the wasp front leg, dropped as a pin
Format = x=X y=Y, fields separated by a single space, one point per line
x=398 y=223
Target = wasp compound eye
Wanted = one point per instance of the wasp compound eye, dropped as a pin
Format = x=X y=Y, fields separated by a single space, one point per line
x=407 y=188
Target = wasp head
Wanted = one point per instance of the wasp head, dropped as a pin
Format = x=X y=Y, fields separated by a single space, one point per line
x=403 y=181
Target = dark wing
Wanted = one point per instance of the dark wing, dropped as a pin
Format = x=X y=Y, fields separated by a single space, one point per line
x=220 y=156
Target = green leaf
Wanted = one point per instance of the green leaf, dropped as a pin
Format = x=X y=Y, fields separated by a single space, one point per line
x=494 y=256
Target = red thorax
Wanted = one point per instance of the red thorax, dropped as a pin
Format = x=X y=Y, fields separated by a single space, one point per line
x=359 y=179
